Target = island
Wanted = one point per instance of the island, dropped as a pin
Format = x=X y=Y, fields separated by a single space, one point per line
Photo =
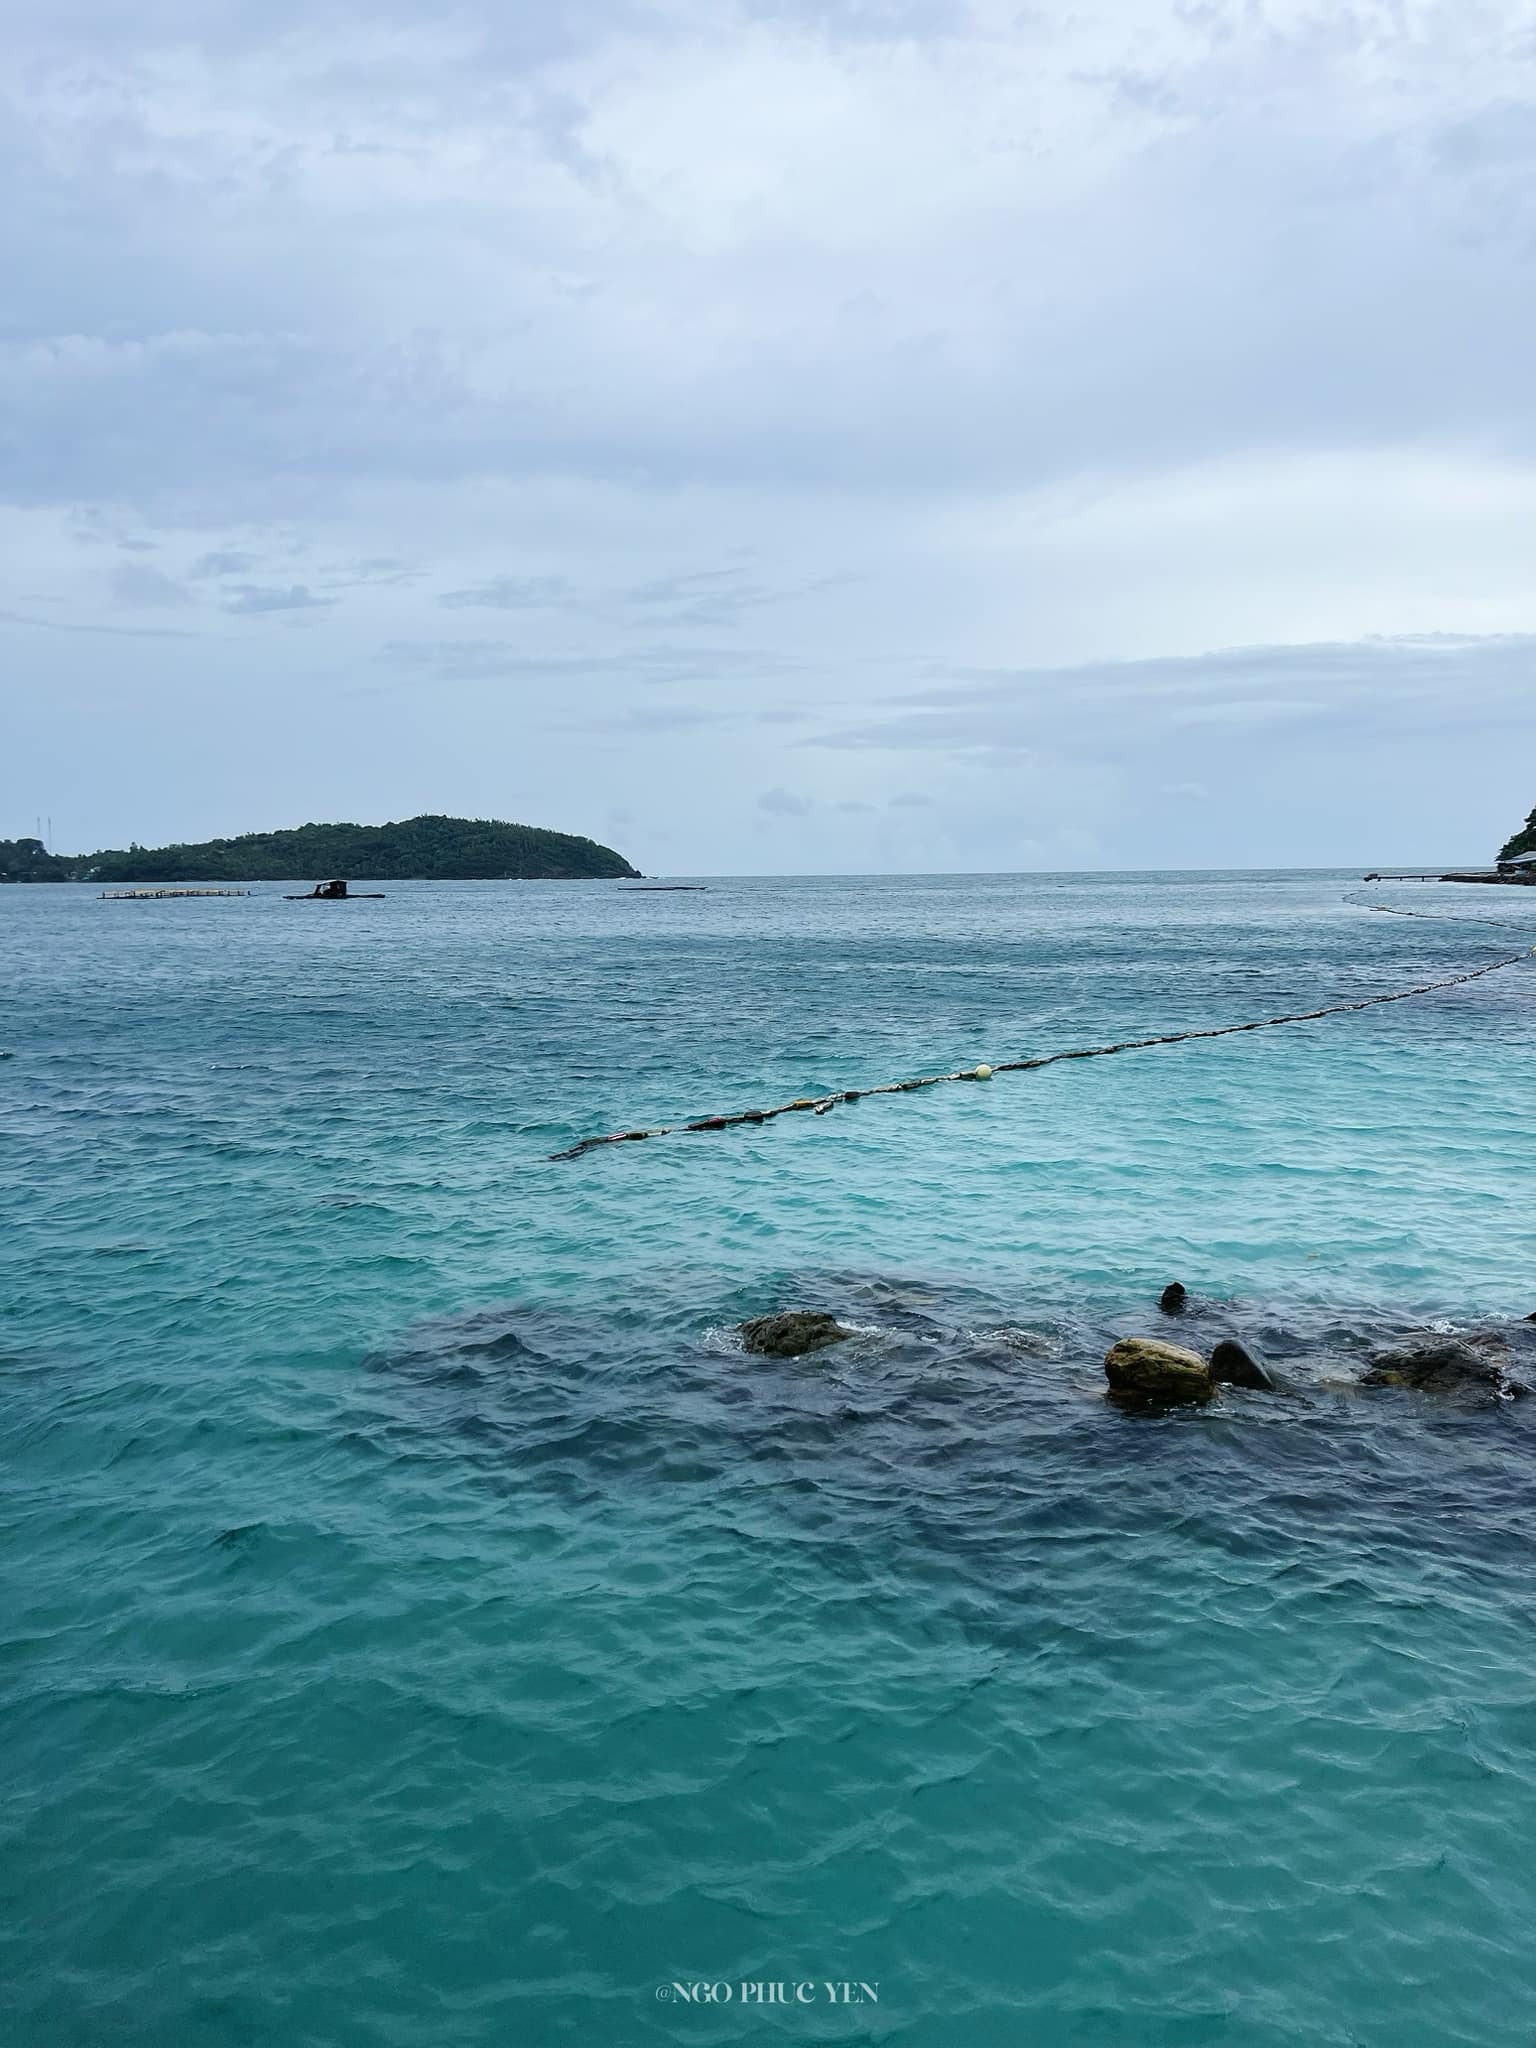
x=425 y=849
x=1522 y=844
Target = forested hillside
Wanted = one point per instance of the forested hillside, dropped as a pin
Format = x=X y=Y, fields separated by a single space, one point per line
x=417 y=849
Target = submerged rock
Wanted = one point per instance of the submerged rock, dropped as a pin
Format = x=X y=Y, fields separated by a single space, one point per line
x=1173 y=1297
x=1022 y=1343
x=1145 y=1369
x=1234 y=1365
x=1444 y=1365
x=796 y=1331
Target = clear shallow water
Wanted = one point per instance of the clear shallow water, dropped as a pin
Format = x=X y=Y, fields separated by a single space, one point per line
x=420 y=1625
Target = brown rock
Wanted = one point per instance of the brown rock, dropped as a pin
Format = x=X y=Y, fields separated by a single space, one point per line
x=1146 y=1369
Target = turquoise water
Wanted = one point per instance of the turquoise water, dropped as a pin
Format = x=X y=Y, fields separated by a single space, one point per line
x=421 y=1625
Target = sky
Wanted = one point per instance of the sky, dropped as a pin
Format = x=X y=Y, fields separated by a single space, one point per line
x=774 y=435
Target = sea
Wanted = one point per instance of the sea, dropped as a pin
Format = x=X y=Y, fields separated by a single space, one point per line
x=422 y=1624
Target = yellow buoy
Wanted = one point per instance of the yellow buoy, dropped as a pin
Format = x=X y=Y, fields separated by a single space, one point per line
x=983 y=1073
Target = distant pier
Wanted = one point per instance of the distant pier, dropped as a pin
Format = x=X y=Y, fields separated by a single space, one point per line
x=1510 y=872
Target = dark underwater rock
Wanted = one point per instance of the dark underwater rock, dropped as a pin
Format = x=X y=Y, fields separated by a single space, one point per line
x=796 y=1331
x=1173 y=1297
x=1444 y=1365
x=1146 y=1369
x=1234 y=1365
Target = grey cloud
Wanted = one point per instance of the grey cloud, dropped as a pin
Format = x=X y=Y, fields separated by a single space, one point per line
x=489 y=39
x=134 y=583
x=478 y=660
x=508 y=594
x=1138 y=322
x=1398 y=684
x=1492 y=138
x=465 y=660
x=642 y=720
x=662 y=718
x=693 y=597
x=719 y=597
x=379 y=572
x=869 y=21
x=684 y=586
x=910 y=800
x=80 y=626
x=253 y=598
x=706 y=597
x=225 y=562
x=783 y=803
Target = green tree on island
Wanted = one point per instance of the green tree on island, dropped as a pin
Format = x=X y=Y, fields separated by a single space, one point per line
x=1523 y=841
x=28 y=860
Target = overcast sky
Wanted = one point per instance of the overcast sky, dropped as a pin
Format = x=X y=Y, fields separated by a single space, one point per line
x=777 y=435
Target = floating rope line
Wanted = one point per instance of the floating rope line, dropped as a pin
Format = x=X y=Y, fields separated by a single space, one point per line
x=1442 y=917
x=820 y=1104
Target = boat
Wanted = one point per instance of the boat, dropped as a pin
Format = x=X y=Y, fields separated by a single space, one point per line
x=336 y=892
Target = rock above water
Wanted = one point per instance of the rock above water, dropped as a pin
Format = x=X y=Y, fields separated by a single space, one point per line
x=797 y=1330
x=1443 y=1365
x=1234 y=1365
x=1173 y=1297
x=1146 y=1369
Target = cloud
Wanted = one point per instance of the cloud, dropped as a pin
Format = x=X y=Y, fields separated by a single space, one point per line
x=509 y=594
x=381 y=572
x=10 y=618
x=252 y=598
x=719 y=597
x=910 y=799
x=1394 y=684
x=782 y=803
x=133 y=583
x=644 y=719
x=222 y=562
x=481 y=660
x=937 y=246
x=691 y=588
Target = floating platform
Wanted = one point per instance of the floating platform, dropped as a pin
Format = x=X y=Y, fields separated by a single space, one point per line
x=158 y=895
x=1516 y=876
